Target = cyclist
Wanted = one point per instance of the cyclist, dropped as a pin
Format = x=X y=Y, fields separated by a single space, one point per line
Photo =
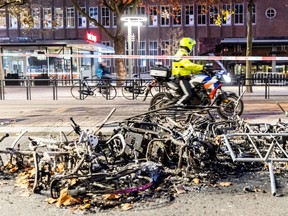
x=183 y=68
x=102 y=71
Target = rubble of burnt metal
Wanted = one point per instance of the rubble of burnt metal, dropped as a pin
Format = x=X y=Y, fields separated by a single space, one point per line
x=158 y=154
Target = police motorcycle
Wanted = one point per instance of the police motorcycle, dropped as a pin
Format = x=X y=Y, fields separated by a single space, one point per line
x=206 y=90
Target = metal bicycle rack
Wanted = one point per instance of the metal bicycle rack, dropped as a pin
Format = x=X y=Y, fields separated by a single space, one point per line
x=271 y=152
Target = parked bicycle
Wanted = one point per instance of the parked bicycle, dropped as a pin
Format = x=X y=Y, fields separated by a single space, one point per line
x=82 y=89
x=133 y=88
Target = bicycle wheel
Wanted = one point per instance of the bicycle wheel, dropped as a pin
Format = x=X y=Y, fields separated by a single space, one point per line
x=130 y=91
x=79 y=91
x=122 y=182
x=106 y=90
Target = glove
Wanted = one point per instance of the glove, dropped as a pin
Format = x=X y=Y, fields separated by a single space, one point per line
x=208 y=67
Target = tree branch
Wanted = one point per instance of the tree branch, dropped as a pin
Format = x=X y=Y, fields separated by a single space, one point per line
x=15 y=2
x=83 y=13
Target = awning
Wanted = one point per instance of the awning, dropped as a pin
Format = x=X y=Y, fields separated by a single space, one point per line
x=80 y=44
x=254 y=41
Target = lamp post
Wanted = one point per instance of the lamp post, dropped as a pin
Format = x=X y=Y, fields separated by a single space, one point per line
x=132 y=21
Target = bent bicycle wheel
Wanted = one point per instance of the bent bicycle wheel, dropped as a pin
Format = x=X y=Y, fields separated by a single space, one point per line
x=79 y=91
x=230 y=107
x=123 y=182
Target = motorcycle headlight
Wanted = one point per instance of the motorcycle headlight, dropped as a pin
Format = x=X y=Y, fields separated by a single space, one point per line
x=227 y=78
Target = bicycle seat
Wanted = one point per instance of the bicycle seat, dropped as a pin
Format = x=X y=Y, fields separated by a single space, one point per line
x=85 y=77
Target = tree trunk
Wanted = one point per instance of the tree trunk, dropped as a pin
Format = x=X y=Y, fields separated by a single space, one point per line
x=248 y=82
x=119 y=43
x=1 y=76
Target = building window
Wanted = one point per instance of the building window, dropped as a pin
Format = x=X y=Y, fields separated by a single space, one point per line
x=47 y=18
x=132 y=47
x=93 y=13
x=239 y=13
x=141 y=11
x=58 y=16
x=254 y=14
x=2 y=18
x=201 y=14
x=165 y=45
x=177 y=15
x=142 y=52
x=129 y=11
x=36 y=17
x=165 y=15
x=25 y=21
x=189 y=15
x=82 y=21
x=13 y=22
x=114 y=20
x=226 y=14
x=70 y=17
x=153 y=16
x=213 y=14
x=108 y=60
x=153 y=51
x=105 y=16
x=270 y=13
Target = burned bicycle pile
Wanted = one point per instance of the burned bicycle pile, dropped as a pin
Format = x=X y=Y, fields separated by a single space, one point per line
x=144 y=151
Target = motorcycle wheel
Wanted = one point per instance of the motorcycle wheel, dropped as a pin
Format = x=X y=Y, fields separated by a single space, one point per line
x=228 y=107
x=160 y=100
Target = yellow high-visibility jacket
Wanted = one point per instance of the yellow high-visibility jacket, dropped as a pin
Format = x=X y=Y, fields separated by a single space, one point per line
x=184 y=67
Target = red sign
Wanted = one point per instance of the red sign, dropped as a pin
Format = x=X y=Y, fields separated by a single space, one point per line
x=91 y=37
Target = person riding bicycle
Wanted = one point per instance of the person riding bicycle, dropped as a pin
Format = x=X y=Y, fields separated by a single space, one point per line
x=102 y=71
x=183 y=68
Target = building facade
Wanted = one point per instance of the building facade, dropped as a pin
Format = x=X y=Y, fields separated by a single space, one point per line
x=60 y=29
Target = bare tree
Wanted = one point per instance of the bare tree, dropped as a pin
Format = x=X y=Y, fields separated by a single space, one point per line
x=174 y=35
x=249 y=47
x=118 y=36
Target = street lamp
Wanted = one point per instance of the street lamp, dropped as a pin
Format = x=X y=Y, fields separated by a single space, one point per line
x=132 y=21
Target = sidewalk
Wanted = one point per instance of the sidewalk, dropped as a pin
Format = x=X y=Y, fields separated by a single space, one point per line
x=50 y=116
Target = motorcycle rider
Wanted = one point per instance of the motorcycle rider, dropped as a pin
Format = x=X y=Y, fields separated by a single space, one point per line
x=183 y=68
